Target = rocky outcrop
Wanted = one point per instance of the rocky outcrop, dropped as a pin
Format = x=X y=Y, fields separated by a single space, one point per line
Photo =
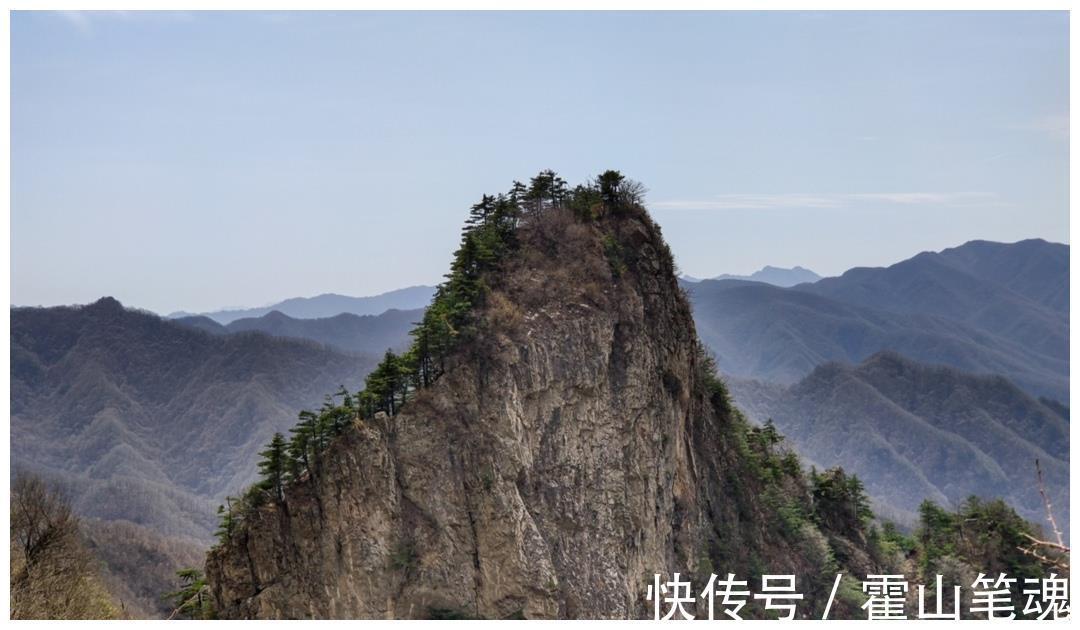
x=571 y=450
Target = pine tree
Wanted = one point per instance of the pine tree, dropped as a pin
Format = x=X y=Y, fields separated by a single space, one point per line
x=272 y=466
x=300 y=445
x=546 y=190
x=192 y=600
x=479 y=213
x=225 y=522
x=609 y=183
x=518 y=192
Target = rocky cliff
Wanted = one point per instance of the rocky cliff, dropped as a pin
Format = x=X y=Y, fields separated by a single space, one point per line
x=575 y=446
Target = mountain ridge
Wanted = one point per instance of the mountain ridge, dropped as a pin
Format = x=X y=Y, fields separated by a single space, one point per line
x=326 y=305
x=777 y=276
x=364 y=334
x=772 y=333
x=961 y=284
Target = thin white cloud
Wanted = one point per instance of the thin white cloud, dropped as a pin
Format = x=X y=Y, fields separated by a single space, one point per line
x=1056 y=125
x=926 y=198
x=78 y=19
x=826 y=200
x=84 y=20
x=275 y=17
x=749 y=201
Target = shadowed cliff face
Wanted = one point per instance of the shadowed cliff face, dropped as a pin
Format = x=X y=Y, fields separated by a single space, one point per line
x=570 y=451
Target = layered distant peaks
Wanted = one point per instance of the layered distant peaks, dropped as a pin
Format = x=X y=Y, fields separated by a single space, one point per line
x=328 y=305
x=777 y=276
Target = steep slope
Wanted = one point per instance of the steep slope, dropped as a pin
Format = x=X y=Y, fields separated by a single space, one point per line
x=149 y=421
x=773 y=334
x=575 y=445
x=364 y=334
x=328 y=305
x=1018 y=292
x=913 y=431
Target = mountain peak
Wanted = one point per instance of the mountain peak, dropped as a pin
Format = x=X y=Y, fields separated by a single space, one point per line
x=576 y=358
x=776 y=276
x=105 y=305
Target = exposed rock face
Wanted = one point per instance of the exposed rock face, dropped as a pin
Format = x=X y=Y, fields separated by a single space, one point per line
x=566 y=456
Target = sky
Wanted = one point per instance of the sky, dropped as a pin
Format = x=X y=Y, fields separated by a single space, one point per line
x=194 y=161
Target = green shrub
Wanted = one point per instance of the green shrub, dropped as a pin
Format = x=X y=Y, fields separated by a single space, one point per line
x=614 y=253
x=404 y=557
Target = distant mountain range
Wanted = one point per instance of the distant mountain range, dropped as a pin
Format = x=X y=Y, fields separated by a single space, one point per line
x=150 y=421
x=777 y=276
x=982 y=307
x=153 y=420
x=913 y=431
x=1018 y=292
x=148 y=424
x=366 y=334
x=328 y=305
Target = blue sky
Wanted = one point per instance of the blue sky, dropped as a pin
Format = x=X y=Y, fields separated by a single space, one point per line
x=201 y=160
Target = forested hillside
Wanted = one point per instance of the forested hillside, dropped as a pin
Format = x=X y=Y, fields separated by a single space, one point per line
x=148 y=419
x=913 y=431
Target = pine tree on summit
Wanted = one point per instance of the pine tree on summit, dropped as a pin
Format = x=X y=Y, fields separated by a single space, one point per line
x=518 y=192
x=546 y=190
x=609 y=183
x=479 y=213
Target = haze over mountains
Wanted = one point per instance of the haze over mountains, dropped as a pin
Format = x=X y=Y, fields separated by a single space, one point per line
x=982 y=307
x=778 y=276
x=328 y=305
x=1017 y=292
x=366 y=334
x=152 y=421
